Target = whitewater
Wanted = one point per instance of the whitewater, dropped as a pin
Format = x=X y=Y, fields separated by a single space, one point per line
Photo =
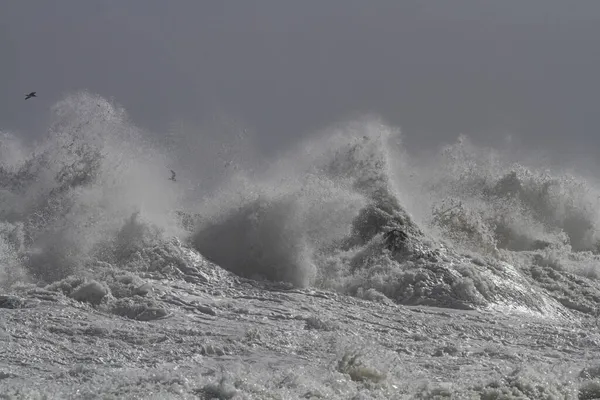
x=346 y=267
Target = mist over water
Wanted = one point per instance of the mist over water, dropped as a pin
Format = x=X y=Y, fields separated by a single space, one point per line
x=67 y=196
x=470 y=226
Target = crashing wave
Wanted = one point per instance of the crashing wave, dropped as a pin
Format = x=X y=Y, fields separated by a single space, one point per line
x=349 y=211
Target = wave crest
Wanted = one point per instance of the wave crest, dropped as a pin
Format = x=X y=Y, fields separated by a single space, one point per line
x=348 y=210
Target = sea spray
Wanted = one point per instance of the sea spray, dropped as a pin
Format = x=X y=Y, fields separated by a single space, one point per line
x=75 y=188
x=464 y=201
x=348 y=209
x=304 y=205
x=518 y=208
x=274 y=231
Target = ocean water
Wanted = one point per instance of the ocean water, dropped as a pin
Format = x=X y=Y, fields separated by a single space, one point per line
x=348 y=210
x=290 y=276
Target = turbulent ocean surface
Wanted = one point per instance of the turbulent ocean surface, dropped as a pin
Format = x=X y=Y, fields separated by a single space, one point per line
x=344 y=268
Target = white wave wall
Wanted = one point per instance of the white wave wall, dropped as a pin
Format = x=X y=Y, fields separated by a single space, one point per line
x=65 y=198
x=95 y=188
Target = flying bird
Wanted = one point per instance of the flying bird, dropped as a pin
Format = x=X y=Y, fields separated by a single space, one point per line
x=30 y=95
x=172 y=178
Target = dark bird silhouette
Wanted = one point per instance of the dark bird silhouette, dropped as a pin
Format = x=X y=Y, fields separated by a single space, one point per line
x=30 y=95
x=172 y=178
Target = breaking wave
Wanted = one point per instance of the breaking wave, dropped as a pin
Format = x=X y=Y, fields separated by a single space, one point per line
x=349 y=210
x=65 y=199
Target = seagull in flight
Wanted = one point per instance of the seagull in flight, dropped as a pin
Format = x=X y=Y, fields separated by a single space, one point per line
x=172 y=178
x=30 y=95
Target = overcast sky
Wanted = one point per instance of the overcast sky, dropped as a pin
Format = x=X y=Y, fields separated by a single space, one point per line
x=436 y=69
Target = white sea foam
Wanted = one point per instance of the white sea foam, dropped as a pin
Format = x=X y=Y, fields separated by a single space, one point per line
x=472 y=227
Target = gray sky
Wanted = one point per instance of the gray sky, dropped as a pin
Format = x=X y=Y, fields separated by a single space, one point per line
x=436 y=68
